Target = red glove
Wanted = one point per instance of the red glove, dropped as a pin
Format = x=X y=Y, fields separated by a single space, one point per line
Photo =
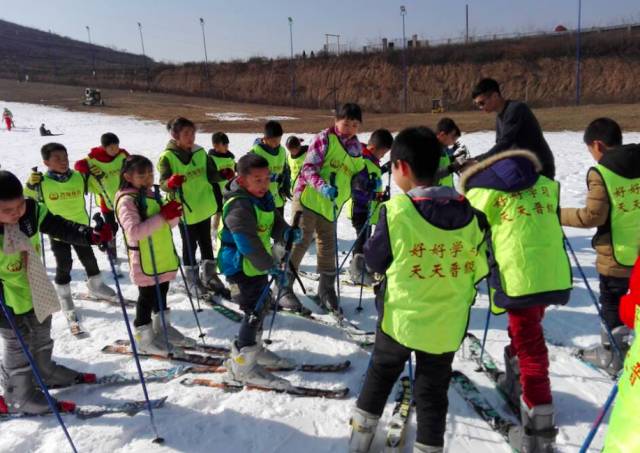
x=175 y=182
x=102 y=235
x=228 y=173
x=629 y=302
x=171 y=210
x=82 y=166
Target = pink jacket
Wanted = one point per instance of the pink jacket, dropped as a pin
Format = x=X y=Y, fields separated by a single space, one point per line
x=134 y=229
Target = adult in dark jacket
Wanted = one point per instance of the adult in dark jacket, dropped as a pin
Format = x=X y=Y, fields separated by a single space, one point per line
x=516 y=126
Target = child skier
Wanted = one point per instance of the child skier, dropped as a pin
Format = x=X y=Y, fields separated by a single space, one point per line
x=187 y=172
x=295 y=159
x=29 y=295
x=324 y=185
x=226 y=165
x=251 y=221
x=454 y=154
x=7 y=117
x=529 y=271
x=367 y=195
x=146 y=222
x=269 y=147
x=430 y=246
x=61 y=190
x=102 y=168
x=623 y=425
x=613 y=200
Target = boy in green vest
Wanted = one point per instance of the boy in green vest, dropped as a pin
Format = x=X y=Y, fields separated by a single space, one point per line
x=454 y=154
x=191 y=176
x=367 y=195
x=102 y=170
x=529 y=271
x=613 y=206
x=269 y=147
x=62 y=191
x=295 y=159
x=430 y=246
x=29 y=296
x=324 y=185
x=226 y=165
x=251 y=221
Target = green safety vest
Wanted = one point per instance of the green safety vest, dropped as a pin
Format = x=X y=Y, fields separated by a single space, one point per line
x=13 y=272
x=110 y=180
x=222 y=163
x=197 y=190
x=264 y=221
x=337 y=160
x=527 y=237
x=162 y=238
x=624 y=202
x=431 y=281
x=276 y=167
x=375 y=215
x=622 y=436
x=295 y=165
x=66 y=199
x=445 y=161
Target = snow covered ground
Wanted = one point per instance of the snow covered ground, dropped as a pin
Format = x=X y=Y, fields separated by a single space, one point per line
x=204 y=419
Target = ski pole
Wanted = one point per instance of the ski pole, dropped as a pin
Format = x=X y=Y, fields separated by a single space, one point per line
x=613 y=341
x=364 y=266
x=192 y=256
x=360 y=233
x=34 y=368
x=156 y=195
x=332 y=181
x=598 y=421
x=486 y=328
x=285 y=265
x=134 y=349
x=411 y=377
x=41 y=200
x=295 y=273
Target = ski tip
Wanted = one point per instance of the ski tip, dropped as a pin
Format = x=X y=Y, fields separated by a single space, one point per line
x=158 y=440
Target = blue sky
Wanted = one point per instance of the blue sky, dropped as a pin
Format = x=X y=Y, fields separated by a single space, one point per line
x=245 y=28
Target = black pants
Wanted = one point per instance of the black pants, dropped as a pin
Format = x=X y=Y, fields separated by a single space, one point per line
x=611 y=290
x=246 y=292
x=199 y=236
x=148 y=303
x=358 y=221
x=64 y=261
x=432 y=376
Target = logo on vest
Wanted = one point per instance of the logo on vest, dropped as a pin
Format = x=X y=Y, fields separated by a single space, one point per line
x=455 y=262
x=14 y=267
x=262 y=228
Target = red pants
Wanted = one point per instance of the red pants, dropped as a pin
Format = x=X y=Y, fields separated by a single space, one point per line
x=527 y=342
x=7 y=121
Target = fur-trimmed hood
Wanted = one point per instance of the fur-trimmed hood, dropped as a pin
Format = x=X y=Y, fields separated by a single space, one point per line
x=509 y=171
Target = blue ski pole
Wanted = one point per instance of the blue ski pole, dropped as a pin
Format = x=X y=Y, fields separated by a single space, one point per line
x=486 y=327
x=41 y=200
x=598 y=421
x=36 y=373
x=332 y=181
x=192 y=256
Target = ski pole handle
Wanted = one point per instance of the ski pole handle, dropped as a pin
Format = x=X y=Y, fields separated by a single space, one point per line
x=97 y=218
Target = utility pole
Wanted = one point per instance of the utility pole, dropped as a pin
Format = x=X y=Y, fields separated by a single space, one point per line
x=403 y=13
x=206 y=58
x=291 y=65
x=578 y=77
x=93 y=53
x=144 y=56
x=466 y=35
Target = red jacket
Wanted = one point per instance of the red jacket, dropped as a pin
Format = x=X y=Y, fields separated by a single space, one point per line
x=631 y=300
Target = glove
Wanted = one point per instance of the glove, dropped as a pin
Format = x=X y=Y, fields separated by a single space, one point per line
x=386 y=168
x=328 y=191
x=381 y=197
x=35 y=178
x=175 y=182
x=279 y=275
x=102 y=235
x=227 y=173
x=171 y=210
x=96 y=172
x=82 y=166
x=295 y=234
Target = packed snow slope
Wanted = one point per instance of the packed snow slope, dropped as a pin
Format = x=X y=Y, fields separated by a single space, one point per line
x=205 y=419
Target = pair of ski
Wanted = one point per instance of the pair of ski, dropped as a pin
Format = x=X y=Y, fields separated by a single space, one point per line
x=344 y=279
x=362 y=338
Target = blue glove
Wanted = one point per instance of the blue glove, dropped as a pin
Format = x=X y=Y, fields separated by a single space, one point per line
x=279 y=275
x=330 y=192
x=294 y=233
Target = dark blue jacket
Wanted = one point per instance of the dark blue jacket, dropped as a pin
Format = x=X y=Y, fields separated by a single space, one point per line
x=510 y=173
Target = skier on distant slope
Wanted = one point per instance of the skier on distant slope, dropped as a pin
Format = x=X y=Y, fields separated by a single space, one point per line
x=7 y=117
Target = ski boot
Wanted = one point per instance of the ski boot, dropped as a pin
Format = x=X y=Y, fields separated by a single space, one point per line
x=193 y=281
x=422 y=448
x=509 y=381
x=66 y=302
x=605 y=356
x=53 y=374
x=537 y=434
x=358 y=270
x=99 y=290
x=21 y=395
x=288 y=300
x=175 y=337
x=363 y=429
x=210 y=280
x=270 y=359
x=327 y=292
x=243 y=367
x=148 y=342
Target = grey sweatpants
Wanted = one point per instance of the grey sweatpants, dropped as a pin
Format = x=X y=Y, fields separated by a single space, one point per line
x=314 y=225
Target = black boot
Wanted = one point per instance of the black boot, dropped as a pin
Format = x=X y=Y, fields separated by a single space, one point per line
x=604 y=355
x=327 y=292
